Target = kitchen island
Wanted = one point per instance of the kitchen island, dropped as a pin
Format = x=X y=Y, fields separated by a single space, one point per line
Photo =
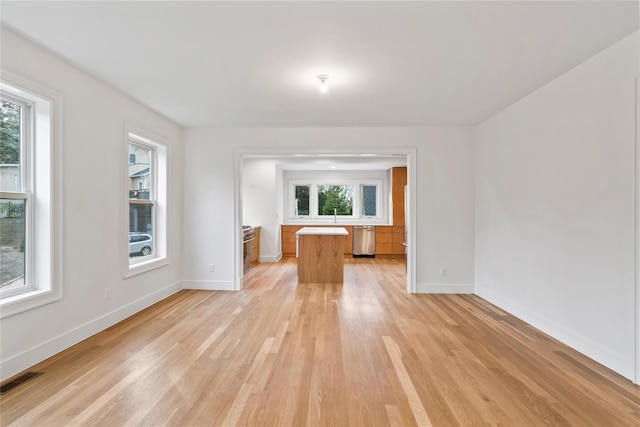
x=321 y=254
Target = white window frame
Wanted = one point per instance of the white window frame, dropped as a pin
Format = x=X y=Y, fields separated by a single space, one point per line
x=41 y=170
x=313 y=199
x=159 y=196
x=355 y=211
x=292 y=198
x=360 y=200
x=24 y=193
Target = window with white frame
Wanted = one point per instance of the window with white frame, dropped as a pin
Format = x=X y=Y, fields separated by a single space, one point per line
x=335 y=200
x=301 y=206
x=147 y=202
x=322 y=200
x=16 y=204
x=29 y=261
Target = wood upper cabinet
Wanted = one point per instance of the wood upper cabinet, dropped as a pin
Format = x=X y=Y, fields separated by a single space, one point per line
x=288 y=236
x=255 y=246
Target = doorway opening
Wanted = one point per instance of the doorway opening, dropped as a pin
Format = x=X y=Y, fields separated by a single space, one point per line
x=270 y=200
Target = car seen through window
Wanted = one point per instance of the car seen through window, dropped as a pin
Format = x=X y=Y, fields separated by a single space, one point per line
x=140 y=244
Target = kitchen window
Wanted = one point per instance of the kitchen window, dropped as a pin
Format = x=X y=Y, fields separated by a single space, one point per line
x=301 y=205
x=334 y=200
x=369 y=200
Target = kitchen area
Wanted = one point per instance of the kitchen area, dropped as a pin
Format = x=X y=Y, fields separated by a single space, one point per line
x=268 y=185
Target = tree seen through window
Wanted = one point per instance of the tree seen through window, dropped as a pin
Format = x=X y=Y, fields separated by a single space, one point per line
x=336 y=199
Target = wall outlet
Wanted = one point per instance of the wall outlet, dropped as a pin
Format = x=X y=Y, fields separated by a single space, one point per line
x=443 y=271
x=107 y=294
x=211 y=268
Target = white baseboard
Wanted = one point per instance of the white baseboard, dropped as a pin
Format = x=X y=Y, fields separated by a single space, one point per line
x=207 y=285
x=24 y=360
x=270 y=258
x=441 y=288
x=624 y=365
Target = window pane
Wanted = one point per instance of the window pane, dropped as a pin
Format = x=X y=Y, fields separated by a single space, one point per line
x=336 y=199
x=10 y=147
x=302 y=200
x=139 y=172
x=140 y=229
x=12 y=243
x=369 y=200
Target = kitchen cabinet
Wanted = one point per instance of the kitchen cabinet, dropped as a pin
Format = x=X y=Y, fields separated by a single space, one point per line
x=288 y=239
x=389 y=239
x=255 y=246
x=399 y=180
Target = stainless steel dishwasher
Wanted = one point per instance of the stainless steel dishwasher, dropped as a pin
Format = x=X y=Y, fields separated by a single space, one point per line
x=364 y=240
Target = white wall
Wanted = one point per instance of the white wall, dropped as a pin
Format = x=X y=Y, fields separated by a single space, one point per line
x=93 y=147
x=260 y=206
x=555 y=207
x=445 y=221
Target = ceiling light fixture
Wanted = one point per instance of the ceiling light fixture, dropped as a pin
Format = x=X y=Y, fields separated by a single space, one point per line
x=323 y=82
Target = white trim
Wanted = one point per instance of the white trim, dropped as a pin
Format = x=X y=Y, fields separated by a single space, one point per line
x=410 y=225
x=270 y=258
x=144 y=266
x=161 y=169
x=208 y=285
x=445 y=288
x=238 y=263
x=637 y=235
x=620 y=363
x=29 y=357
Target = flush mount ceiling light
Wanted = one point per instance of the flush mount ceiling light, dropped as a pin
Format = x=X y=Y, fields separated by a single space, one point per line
x=323 y=82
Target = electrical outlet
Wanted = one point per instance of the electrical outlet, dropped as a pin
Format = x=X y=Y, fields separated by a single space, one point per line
x=107 y=294
x=211 y=268
x=443 y=271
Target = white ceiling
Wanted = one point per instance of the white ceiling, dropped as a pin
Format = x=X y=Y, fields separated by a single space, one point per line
x=254 y=64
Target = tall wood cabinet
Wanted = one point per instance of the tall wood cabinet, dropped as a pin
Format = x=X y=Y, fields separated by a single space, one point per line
x=389 y=239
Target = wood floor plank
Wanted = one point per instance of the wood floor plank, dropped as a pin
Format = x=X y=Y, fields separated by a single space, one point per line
x=361 y=353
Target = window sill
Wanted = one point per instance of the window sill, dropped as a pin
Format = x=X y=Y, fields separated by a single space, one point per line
x=145 y=266
x=27 y=301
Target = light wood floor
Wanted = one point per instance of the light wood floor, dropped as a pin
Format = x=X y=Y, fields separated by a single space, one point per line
x=365 y=353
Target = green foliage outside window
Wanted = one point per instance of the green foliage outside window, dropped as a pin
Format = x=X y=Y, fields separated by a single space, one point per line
x=335 y=197
x=9 y=133
x=302 y=200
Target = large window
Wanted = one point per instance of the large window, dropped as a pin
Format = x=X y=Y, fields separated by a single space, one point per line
x=16 y=204
x=141 y=199
x=30 y=246
x=332 y=201
x=147 y=173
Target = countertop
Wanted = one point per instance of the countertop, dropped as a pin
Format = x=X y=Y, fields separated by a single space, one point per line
x=326 y=231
